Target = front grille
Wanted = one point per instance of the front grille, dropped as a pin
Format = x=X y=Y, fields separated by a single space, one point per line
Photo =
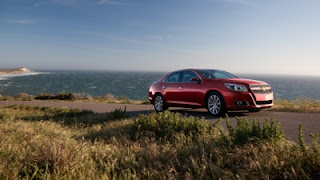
x=261 y=89
x=264 y=102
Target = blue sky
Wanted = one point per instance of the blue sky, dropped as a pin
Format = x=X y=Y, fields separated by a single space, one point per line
x=240 y=36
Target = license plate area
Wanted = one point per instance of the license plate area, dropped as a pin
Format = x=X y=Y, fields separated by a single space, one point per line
x=264 y=97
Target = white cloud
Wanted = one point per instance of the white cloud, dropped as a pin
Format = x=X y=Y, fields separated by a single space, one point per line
x=111 y=2
x=22 y=21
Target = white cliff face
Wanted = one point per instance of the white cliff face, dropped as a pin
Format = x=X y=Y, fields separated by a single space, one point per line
x=23 y=69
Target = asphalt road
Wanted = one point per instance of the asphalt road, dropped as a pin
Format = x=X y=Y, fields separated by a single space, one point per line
x=289 y=121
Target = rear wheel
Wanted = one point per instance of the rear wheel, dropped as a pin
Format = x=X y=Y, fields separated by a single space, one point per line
x=159 y=104
x=215 y=104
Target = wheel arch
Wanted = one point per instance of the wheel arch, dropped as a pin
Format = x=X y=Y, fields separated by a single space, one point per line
x=155 y=94
x=207 y=94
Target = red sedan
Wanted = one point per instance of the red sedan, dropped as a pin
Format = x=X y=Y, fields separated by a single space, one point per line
x=216 y=90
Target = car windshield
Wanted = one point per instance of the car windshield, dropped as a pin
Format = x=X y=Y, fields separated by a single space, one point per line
x=215 y=74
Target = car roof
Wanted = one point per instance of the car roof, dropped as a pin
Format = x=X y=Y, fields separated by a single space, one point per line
x=193 y=69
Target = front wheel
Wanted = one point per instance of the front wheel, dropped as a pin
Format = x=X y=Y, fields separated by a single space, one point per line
x=215 y=104
x=159 y=104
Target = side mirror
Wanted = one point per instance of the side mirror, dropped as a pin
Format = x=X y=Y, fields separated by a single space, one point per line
x=194 y=79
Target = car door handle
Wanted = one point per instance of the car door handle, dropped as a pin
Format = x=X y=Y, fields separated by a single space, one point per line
x=164 y=87
x=180 y=87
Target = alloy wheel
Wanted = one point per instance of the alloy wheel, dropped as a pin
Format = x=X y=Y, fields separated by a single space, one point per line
x=158 y=103
x=214 y=104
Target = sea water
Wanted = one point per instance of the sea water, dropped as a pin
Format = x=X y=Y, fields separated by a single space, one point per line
x=134 y=85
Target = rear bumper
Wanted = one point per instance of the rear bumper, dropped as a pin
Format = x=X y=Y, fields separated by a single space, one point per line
x=248 y=100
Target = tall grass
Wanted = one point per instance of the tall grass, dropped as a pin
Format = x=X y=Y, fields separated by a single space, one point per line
x=297 y=105
x=156 y=146
x=66 y=116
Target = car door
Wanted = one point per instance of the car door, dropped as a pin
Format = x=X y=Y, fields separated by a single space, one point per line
x=170 y=87
x=190 y=90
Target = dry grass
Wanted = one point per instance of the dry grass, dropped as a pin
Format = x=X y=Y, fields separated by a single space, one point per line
x=298 y=105
x=155 y=146
x=108 y=98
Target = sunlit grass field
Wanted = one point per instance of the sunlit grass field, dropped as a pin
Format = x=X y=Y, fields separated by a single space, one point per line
x=297 y=105
x=52 y=143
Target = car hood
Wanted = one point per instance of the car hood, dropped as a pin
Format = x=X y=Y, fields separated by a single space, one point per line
x=242 y=81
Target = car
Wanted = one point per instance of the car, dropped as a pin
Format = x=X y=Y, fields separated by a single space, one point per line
x=216 y=90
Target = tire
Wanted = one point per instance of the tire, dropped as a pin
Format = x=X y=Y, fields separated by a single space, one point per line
x=215 y=104
x=159 y=104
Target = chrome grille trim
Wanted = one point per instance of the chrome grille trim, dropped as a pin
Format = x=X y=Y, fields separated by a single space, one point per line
x=261 y=89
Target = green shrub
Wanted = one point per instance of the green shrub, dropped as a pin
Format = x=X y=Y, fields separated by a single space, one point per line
x=43 y=96
x=60 y=96
x=167 y=124
x=247 y=130
x=302 y=143
x=117 y=114
x=315 y=139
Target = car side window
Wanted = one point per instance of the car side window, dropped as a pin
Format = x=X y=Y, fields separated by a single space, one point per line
x=219 y=75
x=206 y=75
x=173 y=77
x=187 y=76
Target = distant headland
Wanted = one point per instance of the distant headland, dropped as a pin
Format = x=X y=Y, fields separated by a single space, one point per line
x=18 y=70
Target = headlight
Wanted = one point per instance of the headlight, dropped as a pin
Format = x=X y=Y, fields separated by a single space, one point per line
x=236 y=87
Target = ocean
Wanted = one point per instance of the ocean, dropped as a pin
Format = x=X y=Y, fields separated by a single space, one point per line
x=134 y=85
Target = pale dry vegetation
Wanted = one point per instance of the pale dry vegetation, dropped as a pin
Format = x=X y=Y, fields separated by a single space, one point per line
x=107 y=98
x=297 y=105
x=51 y=143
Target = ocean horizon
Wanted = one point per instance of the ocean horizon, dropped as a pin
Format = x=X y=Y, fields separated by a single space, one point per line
x=134 y=84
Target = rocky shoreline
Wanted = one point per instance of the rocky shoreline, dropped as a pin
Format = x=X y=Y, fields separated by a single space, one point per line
x=15 y=71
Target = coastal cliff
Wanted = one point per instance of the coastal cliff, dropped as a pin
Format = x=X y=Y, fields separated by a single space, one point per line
x=15 y=71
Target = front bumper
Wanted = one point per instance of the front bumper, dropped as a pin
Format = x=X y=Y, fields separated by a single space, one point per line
x=151 y=97
x=248 y=100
